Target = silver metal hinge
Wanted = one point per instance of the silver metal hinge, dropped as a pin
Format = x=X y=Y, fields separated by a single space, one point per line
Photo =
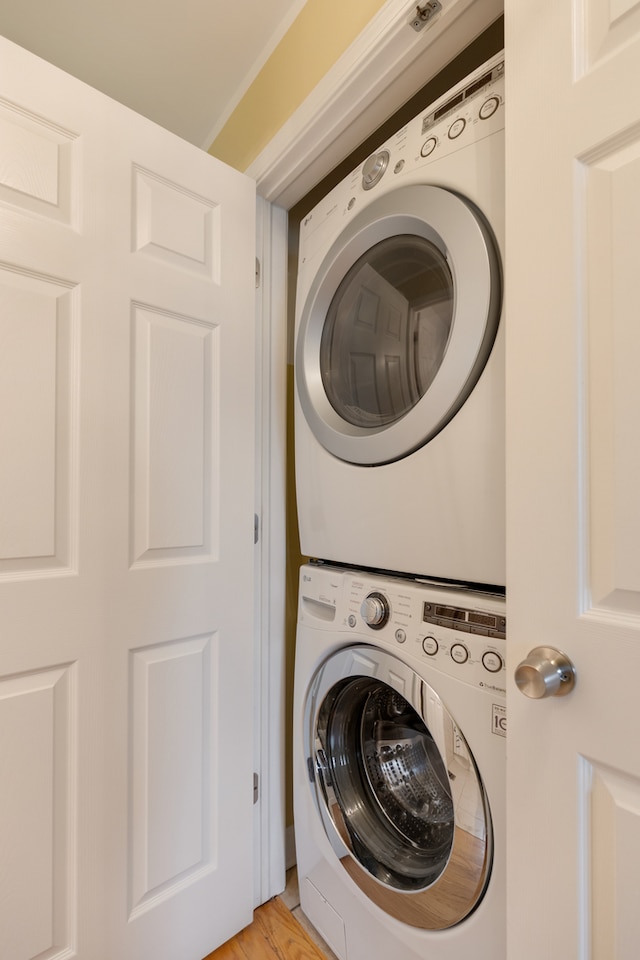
x=256 y=787
x=256 y=528
x=423 y=14
x=311 y=770
x=258 y=273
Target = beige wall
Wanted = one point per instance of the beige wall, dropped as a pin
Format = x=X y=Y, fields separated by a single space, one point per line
x=318 y=37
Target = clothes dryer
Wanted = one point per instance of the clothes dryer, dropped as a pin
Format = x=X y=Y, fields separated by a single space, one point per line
x=399 y=358
x=399 y=766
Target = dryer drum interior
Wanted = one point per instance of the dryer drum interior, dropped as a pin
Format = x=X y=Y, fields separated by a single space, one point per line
x=386 y=331
x=401 y=799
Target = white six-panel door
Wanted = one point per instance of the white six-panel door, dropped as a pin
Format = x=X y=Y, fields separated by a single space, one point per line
x=126 y=530
x=573 y=452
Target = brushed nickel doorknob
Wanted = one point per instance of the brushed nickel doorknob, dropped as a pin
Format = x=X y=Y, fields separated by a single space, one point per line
x=546 y=672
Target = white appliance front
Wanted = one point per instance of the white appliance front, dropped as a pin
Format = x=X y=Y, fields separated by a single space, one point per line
x=399 y=766
x=399 y=359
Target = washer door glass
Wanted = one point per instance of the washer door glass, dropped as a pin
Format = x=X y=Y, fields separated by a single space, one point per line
x=387 y=331
x=390 y=782
x=398 y=324
x=391 y=772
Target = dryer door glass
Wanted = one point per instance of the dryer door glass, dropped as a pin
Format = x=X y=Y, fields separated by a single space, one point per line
x=397 y=325
x=386 y=331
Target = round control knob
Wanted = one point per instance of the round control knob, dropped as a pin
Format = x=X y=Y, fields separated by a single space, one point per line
x=459 y=653
x=546 y=672
x=428 y=147
x=375 y=610
x=492 y=661
x=488 y=108
x=374 y=168
x=456 y=128
x=430 y=646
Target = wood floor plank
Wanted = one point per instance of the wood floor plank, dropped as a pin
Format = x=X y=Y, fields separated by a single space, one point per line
x=231 y=950
x=285 y=935
x=274 y=935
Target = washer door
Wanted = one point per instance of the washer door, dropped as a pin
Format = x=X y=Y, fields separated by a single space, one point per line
x=397 y=788
x=398 y=324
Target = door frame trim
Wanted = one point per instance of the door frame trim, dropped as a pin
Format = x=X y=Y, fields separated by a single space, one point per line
x=270 y=551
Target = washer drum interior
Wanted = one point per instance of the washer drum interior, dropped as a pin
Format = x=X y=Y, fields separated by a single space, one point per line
x=399 y=793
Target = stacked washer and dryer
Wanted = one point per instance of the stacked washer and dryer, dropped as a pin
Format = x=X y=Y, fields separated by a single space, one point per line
x=399 y=702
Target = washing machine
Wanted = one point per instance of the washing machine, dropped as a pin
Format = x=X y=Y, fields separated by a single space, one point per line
x=399 y=766
x=399 y=350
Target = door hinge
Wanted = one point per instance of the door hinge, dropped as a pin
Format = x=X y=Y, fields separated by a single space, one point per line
x=256 y=528
x=311 y=770
x=423 y=14
x=258 y=273
x=256 y=787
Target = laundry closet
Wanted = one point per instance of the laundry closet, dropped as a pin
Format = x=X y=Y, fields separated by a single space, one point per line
x=571 y=191
x=142 y=567
x=399 y=390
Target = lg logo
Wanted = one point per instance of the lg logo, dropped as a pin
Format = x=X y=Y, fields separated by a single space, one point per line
x=499 y=720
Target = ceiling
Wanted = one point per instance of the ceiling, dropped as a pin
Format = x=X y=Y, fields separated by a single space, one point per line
x=183 y=63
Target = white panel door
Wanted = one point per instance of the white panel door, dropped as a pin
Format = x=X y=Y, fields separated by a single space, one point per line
x=573 y=400
x=126 y=530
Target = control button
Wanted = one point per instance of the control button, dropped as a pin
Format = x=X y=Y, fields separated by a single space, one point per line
x=352 y=620
x=430 y=646
x=375 y=610
x=374 y=168
x=401 y=636
x=351 y=203
x=398 y=167
x=428 y=147
x=488 y=108
x=456 y=128
x=492 y=661
x=459 y=653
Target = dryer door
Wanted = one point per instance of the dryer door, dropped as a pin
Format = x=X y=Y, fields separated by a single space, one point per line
x=389 y=768
x=398 y=324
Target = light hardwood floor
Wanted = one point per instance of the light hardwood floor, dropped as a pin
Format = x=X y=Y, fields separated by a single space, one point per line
x=275 y=934
x=279 y=931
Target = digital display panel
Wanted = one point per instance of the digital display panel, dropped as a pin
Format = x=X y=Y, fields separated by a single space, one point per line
x=448 y=106
x=485 y=619
x=478 y=85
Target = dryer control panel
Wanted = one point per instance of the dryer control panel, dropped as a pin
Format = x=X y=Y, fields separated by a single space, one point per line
x=457 y=631
x=468 y=114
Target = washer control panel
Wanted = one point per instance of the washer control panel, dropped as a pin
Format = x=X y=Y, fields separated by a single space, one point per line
x=461 y=632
